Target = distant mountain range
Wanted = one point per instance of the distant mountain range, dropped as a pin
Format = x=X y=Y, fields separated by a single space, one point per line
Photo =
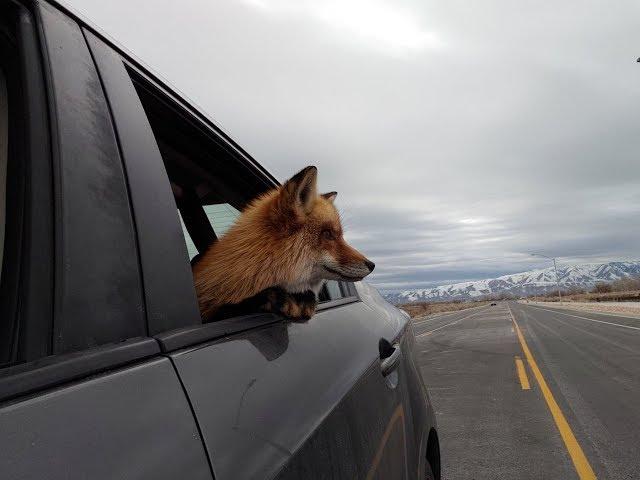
x=534 y=282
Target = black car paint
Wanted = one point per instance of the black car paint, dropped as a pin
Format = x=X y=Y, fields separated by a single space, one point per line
x=279 y=382
x=132 y=423
x=281 y=400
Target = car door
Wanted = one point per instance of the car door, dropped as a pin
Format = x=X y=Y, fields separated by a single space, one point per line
x=374 y=407
x=262 y=394
x=84 y=390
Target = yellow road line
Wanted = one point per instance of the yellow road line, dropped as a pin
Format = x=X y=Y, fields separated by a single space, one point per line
x=522 y=374
x=580 y=462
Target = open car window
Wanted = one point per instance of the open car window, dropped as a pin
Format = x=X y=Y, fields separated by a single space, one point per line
x=210 y=184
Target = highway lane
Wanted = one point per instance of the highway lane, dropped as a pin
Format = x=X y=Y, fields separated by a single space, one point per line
x=592 y=362
x=491 y=427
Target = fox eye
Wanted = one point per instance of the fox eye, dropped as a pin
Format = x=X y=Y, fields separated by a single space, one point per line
x=328 y=235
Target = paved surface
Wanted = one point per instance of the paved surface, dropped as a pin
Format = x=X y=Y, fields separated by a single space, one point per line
x=490 y=427
x=630 y=309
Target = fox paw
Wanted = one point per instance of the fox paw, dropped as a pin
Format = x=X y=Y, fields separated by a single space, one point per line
x=295 y=306
x=300 y=305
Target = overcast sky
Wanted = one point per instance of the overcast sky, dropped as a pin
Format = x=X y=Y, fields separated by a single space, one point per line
x=461 y=136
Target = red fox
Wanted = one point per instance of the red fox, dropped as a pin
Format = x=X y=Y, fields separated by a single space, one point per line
x=278 y=252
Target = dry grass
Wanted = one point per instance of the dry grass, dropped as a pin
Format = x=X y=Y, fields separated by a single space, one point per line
x=628 y=296
x=419 y=309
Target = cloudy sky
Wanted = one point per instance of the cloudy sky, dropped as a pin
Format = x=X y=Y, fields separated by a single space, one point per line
x=460 y=135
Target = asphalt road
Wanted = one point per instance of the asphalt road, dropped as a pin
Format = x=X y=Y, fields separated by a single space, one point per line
x=580 y=417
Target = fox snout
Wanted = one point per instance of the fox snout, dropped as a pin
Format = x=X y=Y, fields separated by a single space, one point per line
x=346 y=263
x=359 y=258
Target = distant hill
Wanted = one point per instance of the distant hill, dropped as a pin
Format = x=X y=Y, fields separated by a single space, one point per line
x=526 y=283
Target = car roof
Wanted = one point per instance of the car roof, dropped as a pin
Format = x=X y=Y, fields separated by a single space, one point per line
x=162 y=82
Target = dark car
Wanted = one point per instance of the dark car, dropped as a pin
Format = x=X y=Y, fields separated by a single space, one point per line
x=109 y=185
x=493 y=304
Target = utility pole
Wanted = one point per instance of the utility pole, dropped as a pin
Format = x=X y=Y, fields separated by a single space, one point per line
x=555 y=268
x=557 y=280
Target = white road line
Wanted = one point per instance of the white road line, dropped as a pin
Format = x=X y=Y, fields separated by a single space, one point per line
x=446 y=315
x=590 y=319
x=608 y=314
x=446 y=325
x=435 y=317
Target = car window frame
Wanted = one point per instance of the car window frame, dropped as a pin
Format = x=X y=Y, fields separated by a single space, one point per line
x=350 y=295
x=167 y=280
x=127 y=109
x=116 y=68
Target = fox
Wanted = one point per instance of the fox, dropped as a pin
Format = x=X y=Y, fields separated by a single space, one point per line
x=277 y=254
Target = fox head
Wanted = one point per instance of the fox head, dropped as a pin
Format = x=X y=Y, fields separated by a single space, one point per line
x=291 y=237
x=311 y=234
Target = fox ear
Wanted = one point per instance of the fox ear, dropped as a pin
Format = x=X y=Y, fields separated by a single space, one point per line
x=331 y=196
x=301 y=191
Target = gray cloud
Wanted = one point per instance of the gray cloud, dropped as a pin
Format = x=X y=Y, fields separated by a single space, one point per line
x=460 y=137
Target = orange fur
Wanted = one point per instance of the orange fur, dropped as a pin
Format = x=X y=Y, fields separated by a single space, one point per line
x=280 y=240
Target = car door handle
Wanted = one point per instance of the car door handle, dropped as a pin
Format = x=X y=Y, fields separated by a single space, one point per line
x=391 y=360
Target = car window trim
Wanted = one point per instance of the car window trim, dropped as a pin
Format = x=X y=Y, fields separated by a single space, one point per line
x=54 y=370
x=39 y=293
x=337 y=302
x=189 y=336
x=193 y=114
x=36 y=257
x=347 y=290
x=202 y=123
x=169 y=293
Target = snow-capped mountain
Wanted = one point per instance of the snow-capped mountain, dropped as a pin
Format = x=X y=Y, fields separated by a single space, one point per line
x=525 y=283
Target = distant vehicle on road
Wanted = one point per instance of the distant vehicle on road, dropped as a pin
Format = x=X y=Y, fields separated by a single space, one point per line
x=114 y=183
x=493 y=304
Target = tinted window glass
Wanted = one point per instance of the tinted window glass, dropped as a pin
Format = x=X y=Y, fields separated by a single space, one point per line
x=11 y=195
x=221 y=216
x=4 y=126
x=25 y=183
x=334 y=290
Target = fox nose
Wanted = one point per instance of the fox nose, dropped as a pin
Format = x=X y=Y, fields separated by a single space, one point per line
x=370 y=265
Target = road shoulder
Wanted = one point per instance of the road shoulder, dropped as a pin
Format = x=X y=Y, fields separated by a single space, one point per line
x=623 y=309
